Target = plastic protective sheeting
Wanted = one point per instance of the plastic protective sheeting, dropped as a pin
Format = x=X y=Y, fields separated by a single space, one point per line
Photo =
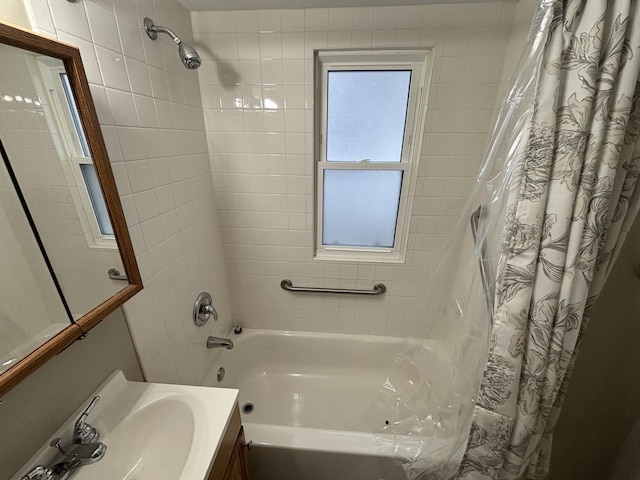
x=430 y=391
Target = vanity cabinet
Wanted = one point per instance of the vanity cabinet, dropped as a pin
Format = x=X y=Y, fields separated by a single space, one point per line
x=231 y=461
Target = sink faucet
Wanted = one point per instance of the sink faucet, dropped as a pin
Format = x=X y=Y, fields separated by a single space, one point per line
x=82 y=431
x=85 y=451
x=79 y=455
x=217 y=342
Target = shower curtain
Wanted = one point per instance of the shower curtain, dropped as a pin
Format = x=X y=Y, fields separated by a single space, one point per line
x=478 y=392
x=570 y=202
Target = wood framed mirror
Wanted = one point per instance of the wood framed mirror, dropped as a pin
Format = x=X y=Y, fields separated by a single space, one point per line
x=66 y=257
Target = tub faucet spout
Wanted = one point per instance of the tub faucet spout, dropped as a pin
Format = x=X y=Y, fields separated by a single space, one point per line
x=218 y=342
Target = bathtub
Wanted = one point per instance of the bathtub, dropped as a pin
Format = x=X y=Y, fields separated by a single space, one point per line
x=308 y=403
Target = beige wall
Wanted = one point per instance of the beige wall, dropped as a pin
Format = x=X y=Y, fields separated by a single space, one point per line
x=602 y=403
x=35 y=409
x=14 y=12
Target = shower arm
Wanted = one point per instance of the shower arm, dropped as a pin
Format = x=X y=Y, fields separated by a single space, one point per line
x=153 y=30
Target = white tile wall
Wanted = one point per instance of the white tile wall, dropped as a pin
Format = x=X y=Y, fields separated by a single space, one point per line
x=257 y=94
x=150 y=111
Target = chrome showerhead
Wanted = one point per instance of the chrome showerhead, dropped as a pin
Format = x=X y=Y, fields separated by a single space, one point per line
x=188 y=54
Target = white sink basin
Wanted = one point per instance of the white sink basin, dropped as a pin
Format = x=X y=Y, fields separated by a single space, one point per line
x=152 y=431
x=151 y=442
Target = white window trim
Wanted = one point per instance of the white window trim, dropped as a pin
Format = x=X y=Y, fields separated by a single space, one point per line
x=69 y=147
x=420 y=62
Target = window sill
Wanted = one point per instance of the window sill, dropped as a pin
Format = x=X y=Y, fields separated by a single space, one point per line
x=359 y=256
x=102 y=244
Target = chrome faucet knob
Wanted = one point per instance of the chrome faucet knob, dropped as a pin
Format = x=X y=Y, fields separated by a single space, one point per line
x=57 y=443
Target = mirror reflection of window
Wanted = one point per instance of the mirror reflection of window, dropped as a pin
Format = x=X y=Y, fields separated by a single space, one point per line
x=84 y=170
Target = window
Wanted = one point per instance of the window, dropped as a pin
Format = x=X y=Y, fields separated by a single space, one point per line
x=370 y=117
x=85 y=171
x=63 y=119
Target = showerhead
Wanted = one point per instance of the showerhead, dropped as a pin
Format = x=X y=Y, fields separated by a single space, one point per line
x=188 y=54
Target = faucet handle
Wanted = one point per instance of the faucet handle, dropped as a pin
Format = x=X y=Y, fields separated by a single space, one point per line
x=82 y=431
x=93 y=403
x=57 y=443
x=87 y=453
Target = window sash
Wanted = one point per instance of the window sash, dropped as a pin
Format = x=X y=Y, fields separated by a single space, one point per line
x=102 y=240
x=406 y=168
x=412 y=102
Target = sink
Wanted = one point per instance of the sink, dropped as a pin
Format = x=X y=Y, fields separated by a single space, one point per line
x=152 y=442
x=151 y=431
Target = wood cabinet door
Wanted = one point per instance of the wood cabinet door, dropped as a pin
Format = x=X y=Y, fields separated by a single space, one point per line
x=237 y=469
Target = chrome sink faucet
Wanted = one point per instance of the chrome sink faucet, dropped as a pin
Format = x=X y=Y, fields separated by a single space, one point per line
x=85 y=450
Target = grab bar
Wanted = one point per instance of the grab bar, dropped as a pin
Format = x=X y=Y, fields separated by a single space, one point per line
x=378 y=289
x=114 y=274
x=483 y=261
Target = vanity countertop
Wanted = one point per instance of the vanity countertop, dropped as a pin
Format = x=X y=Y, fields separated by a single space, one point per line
x=151 y=431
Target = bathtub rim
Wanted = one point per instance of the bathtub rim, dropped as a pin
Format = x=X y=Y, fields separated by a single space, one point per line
x=210 y=378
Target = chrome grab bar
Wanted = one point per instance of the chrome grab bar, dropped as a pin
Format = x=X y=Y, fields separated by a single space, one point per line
x=378 y=289
x=114 y=274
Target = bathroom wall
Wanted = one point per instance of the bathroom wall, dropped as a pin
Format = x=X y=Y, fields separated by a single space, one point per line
x=601 y=407
x=257 y=93
x=626 y=464
x=14 y=12
x=522 y=18
x=35 y=409
x=150 y=111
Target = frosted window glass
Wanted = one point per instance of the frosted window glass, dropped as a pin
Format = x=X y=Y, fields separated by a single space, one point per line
x=360 y=207
x=366 y=113
x=97 y=200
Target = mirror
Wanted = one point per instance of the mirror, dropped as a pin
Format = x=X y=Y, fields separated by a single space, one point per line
x=66 y=259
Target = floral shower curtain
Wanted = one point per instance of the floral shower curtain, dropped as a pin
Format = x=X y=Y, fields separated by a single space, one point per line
x=570 y=204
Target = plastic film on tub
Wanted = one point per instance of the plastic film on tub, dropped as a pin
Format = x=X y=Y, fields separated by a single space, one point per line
x=429 y=394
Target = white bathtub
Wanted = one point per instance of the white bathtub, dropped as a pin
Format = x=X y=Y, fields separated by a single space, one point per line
x=314 y=398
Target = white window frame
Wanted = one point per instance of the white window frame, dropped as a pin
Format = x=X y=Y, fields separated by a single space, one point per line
x=70 y=147
x=420 y=63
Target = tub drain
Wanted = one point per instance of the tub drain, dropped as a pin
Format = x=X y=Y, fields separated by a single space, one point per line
x=247 y=407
